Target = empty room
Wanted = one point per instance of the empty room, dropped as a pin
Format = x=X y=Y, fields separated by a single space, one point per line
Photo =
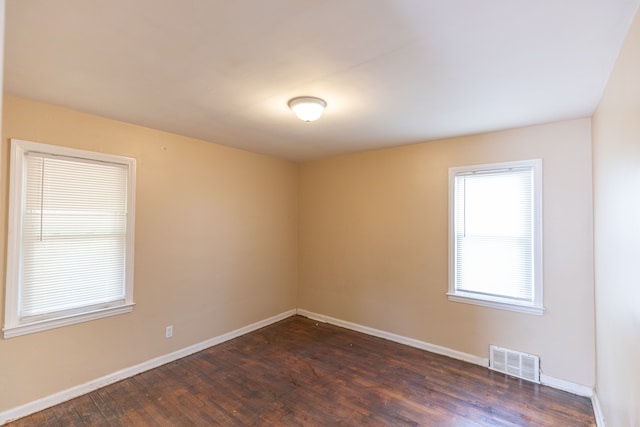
x=316 y=213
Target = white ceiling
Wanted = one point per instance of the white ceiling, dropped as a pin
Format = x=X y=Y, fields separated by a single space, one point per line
x=392 y=72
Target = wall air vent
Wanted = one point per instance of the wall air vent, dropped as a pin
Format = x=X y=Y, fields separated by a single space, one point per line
x=515 y=363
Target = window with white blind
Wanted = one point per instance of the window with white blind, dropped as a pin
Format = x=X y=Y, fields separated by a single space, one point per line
x=71 y=220
x=495 y=235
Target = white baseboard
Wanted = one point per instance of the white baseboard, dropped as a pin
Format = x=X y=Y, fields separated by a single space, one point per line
x=68 y=394
x=597 y=410
x=398 y=338
x=556 y=383
x=579 y=389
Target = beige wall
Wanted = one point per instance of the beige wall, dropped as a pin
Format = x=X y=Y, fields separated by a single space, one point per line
x=373 y=245
x=616 y=160
x=216 y=250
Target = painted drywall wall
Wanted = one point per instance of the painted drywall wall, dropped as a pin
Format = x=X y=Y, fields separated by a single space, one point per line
x=616 y=177
x=216 y=249
x=374 y=245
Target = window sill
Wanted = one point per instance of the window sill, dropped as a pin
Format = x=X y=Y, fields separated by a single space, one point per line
x=491 y=303
x=43 y=325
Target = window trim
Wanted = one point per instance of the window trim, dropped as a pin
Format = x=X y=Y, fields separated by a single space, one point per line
x=536 y=307
x=13 y=325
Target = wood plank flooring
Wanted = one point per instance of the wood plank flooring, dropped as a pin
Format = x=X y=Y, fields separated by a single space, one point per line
x=299 y=372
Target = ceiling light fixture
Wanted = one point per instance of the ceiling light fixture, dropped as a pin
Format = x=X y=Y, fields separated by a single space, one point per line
x=307 y=108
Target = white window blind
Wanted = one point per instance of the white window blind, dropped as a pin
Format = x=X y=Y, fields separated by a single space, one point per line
x=75 y=235
x=495 y=234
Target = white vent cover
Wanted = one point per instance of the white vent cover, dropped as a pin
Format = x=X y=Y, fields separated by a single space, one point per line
x=515 y=363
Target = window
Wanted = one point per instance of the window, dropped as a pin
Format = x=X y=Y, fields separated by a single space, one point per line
x=495 y=242
x=71 y=219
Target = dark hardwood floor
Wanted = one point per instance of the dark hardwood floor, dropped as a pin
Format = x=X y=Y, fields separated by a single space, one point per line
x=299 y=372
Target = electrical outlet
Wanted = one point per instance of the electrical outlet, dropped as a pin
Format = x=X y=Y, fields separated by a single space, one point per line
x=168 y=332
